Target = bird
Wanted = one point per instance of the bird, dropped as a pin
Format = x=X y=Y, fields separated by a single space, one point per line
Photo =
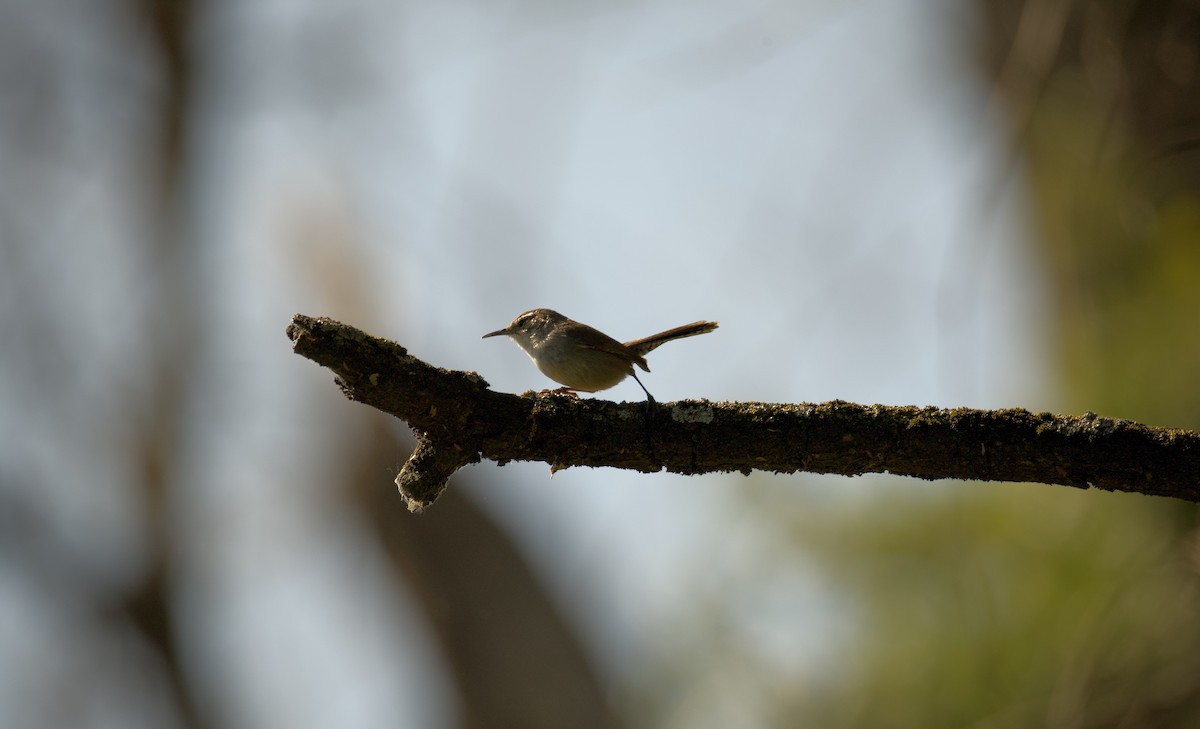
x=584 y=359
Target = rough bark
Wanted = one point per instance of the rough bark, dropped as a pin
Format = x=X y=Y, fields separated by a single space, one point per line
x=458 y=420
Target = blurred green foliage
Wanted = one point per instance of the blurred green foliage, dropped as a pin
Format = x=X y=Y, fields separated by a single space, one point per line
x=1039 y=606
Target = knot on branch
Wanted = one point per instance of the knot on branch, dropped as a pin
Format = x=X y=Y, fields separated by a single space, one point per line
x=427 y=470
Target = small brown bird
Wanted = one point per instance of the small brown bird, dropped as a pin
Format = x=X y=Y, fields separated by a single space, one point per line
x=584 y=359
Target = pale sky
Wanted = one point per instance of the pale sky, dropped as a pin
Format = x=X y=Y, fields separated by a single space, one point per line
x=821 y=178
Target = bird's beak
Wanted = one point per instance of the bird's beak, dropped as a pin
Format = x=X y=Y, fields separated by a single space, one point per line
x=496 y=333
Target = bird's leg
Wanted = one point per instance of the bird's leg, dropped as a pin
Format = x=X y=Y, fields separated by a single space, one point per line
x=649 y=397
x=651 y=412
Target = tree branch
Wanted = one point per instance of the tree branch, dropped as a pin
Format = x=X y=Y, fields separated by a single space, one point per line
x=458 y=420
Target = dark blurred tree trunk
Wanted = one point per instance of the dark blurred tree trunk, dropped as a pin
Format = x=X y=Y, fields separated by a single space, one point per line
x=514 y=660
x=1138 y=60
x=1104 y=100
x=156 y=442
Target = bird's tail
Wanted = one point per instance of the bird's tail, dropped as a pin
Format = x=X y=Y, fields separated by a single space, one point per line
x=648 y=344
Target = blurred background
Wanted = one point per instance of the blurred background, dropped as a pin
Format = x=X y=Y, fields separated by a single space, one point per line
x=903 y=202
